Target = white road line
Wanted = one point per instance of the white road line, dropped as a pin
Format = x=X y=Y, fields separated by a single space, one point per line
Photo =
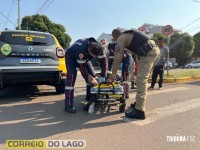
x=163 y=112
x=152 y=92
x=48 y=124
x=15 y=121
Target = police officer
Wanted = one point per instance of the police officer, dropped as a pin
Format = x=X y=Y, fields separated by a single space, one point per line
x=79 y=55
x=138 y=43
x=127 y=62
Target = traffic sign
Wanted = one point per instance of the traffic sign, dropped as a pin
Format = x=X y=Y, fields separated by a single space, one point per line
x=142 y=29
x=167 y=30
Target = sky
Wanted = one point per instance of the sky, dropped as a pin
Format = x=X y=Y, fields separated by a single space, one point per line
x=91 y=18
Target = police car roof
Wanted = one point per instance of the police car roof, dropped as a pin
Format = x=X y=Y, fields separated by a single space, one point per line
x=25 y=31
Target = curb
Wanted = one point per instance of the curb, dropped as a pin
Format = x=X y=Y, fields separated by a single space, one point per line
x=179 y=80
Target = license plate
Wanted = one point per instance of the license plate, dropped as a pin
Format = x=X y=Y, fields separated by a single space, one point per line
x=30 y=60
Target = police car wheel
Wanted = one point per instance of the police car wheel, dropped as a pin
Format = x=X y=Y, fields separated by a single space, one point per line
x=60 y=88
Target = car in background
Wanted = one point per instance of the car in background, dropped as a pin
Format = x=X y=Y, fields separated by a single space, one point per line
x=168 y=65
x=31 y=57
x=195 y=64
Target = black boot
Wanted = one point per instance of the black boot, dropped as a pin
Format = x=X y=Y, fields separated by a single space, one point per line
x=135 y=114
x=133 y=86
x=70 y=109
x=133 y=105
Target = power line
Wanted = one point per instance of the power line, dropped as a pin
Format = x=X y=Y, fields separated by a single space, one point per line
x=193 y=28
x=42 y=6
x=29 y=10
x=9 y=12
x=195 y=1
x=194 y=20
x=45 y=8
x=11 y=8
x=7 y=19
x=190 y=23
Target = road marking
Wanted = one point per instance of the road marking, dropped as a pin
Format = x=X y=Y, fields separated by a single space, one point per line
x=42 y=119
x=32 y=112
x=152 y=92
x=163 y=112
x=15 y=121
x=155 y=92
x=47 y=124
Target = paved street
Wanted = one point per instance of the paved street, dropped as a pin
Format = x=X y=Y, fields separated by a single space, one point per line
x=38 y=113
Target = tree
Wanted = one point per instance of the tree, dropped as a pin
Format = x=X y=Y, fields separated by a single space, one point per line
x=158 y=35
x=196 y=38
x=44 y=24
x=181 y=47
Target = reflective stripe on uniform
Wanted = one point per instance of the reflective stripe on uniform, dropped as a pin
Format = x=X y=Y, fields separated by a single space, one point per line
x=111 y=57
x=69 y=88
x=81 y=61
x=102 y=56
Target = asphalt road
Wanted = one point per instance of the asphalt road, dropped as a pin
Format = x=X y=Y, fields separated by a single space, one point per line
x=33 y=112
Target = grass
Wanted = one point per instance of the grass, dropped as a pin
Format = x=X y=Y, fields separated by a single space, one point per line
x=181 y=73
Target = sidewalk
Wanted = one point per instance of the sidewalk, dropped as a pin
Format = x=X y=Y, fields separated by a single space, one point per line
x=167 y=80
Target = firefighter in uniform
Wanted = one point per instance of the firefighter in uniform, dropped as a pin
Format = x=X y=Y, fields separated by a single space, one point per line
x=137 y=43
x=79 y=55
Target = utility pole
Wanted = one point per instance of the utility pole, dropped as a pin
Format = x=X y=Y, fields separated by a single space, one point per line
x=19 y=24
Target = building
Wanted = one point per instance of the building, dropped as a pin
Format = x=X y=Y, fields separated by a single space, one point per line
x=108 y=36
x=152 y=29
x=148 y=29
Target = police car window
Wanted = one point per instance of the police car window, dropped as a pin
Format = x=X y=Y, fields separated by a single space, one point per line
x=20 y=38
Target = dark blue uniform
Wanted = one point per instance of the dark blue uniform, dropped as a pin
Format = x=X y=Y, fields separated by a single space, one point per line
x=78 y=56
x=127 y=61
x=126 y=67
x=111 y=48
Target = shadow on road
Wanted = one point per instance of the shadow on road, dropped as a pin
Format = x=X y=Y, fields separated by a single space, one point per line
x=42 y=119
x=196 y=83
x=18 y=93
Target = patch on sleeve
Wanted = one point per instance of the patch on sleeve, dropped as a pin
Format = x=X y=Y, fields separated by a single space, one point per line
x=81 y=56
x=117 y=48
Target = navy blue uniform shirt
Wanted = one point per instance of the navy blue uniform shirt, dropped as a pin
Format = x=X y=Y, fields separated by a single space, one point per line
x=79 y=52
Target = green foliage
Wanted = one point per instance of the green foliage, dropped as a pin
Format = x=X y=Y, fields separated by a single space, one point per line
x=181 y=73
x=43 y=24
x=158 y=35
x=196 y=38
x=181 y=47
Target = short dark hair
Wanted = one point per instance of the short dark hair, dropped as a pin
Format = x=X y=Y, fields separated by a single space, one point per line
x=116 y=32
x=161 y=39
x=95 y=48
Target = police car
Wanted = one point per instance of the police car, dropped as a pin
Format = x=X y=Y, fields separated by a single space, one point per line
x=30 y=57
